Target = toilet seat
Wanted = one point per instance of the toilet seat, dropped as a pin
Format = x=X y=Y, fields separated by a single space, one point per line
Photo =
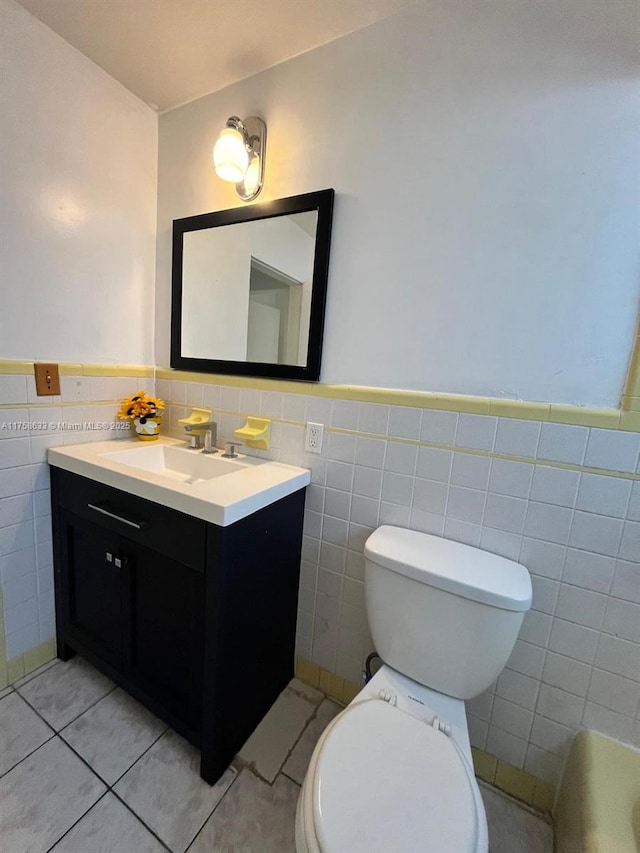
x=383 y=780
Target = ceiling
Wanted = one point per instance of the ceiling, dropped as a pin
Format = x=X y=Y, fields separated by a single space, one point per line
x=168 y=52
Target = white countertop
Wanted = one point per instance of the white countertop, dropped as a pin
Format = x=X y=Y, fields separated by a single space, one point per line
x=221 y=500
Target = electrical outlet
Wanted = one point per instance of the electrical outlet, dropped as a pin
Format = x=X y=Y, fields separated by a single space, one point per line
x=313 y=438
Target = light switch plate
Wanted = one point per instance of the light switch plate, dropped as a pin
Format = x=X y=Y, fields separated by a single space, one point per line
x=47 y=379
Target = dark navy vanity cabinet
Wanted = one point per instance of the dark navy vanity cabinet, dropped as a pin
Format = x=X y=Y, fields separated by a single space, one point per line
x=194 y=620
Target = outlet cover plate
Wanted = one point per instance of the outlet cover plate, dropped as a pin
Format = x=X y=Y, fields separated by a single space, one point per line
x=313 y=438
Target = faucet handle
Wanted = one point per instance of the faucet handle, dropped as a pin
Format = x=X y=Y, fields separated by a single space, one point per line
x=230 y=450
x=208 y=442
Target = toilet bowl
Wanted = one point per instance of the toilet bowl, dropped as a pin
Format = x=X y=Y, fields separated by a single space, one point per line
x=393 y=771
x=383 y=777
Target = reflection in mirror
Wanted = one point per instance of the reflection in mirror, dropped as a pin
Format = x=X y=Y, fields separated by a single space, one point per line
x=246 y=292
x=249 y=288
x=275 y=316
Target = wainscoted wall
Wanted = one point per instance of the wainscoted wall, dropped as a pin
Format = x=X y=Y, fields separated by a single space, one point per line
x=28 y=426
x=564 y=499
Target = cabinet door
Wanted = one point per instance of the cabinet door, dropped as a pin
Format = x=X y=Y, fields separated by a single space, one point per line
x=95 y=584
x=166 y=624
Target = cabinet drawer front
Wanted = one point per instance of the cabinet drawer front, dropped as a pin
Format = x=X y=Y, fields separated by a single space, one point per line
x=172 y=533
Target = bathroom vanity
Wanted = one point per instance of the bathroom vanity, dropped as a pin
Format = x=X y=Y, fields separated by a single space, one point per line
x=180 y=582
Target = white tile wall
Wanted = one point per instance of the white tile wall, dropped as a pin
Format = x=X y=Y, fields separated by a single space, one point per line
x=517 y=438
x=563 y=443
x=618 y=455
x=26 y=556
x=477 y=431
x=577 y=661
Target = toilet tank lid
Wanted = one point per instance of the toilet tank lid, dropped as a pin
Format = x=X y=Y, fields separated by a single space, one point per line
x=451 y=566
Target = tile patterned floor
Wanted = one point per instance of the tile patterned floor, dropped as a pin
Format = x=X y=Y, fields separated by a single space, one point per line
x=86 y=769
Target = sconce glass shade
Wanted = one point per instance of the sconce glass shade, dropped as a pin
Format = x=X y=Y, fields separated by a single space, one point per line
x=239 y=155
x=230 y=155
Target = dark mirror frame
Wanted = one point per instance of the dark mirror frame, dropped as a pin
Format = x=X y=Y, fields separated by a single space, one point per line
x=322 y=201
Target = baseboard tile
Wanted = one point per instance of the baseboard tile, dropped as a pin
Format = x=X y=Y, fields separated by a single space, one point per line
x=25 y=663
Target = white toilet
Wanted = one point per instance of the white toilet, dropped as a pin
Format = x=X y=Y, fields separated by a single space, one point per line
x=392 y=773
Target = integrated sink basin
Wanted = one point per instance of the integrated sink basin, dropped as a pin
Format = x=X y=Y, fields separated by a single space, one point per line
x=179 y=463
x=169 y=473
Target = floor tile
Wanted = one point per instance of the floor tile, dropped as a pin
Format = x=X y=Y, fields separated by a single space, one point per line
x=165 y=790
x=302 y=689
x=113 y=734
x=36 y=672
x=5 y=692
x=297 y=763
x=21 y=731
x=253 y=817
x=65 y=691
x=43 y=796
x=109 y=828
x=269 y=746
x=512 y=828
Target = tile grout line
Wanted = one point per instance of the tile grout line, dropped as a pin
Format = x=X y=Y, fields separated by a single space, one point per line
x=58 y=733
x=286 y=776
x=29 y=754
x=138 y=818
x=142 y=754
x=75 y=823
x=108 y=791
x=251 y=769
x=53 y=737
x=299 y=738
x=92 y=705
x=519 y=803
x=109 y=787
x=213 y=810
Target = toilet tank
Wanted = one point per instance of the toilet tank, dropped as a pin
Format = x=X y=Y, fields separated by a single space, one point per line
x=445 y=614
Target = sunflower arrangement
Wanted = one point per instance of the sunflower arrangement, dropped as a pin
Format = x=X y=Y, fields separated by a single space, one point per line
x=145 y=412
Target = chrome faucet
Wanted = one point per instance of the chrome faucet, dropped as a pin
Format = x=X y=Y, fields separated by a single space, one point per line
x=200 y=433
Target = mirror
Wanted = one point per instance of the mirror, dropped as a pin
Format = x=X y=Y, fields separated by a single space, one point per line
x=249 y=288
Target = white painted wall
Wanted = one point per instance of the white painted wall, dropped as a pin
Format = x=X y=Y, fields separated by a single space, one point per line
x=485 y=163
x=78 y=171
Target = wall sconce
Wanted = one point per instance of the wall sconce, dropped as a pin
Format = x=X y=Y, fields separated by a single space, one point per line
x=239 y=153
